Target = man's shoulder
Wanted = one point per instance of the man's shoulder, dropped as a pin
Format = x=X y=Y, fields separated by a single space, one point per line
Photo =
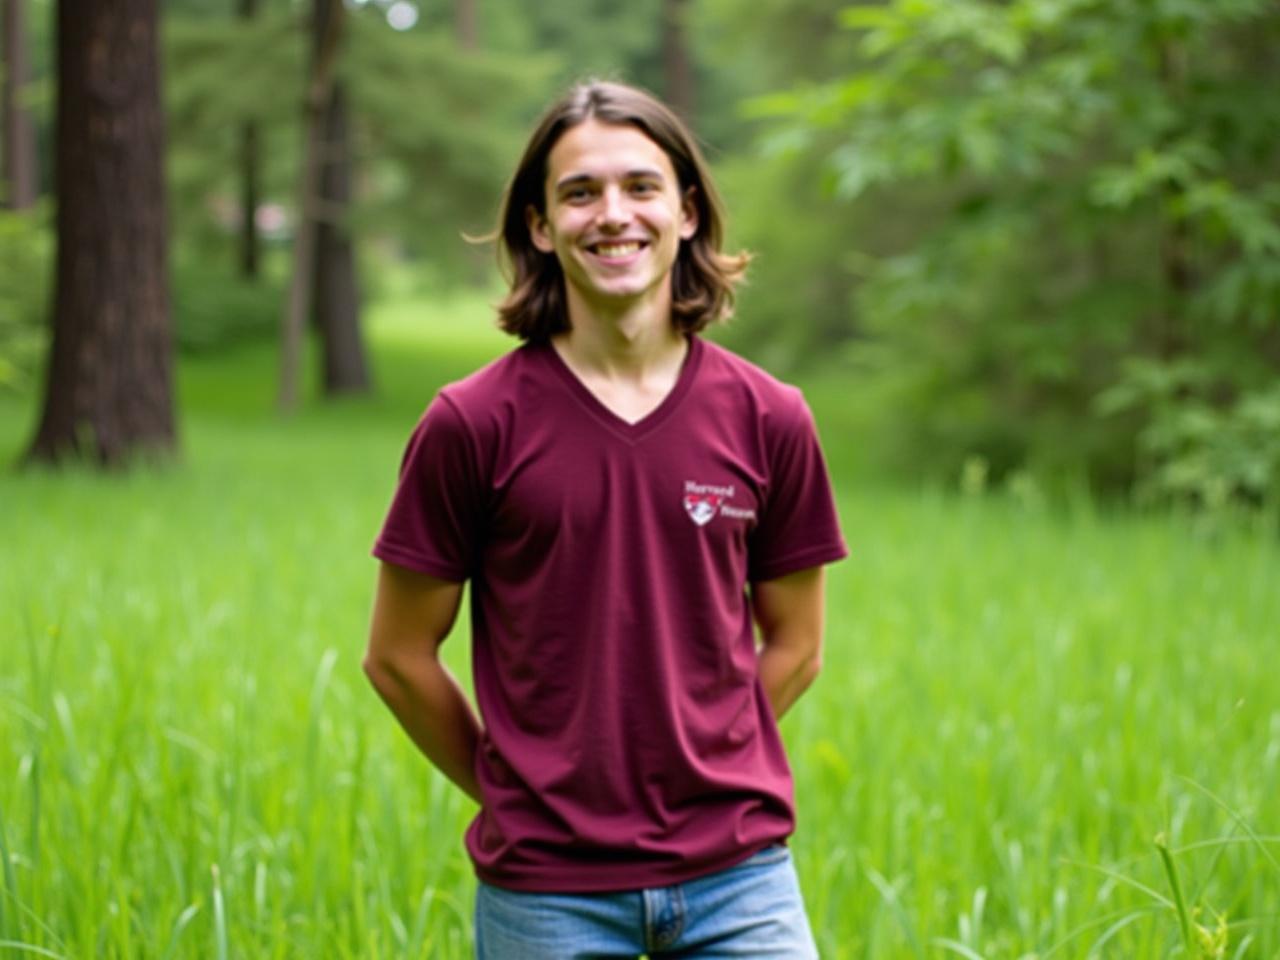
x=497 y=382
x=724 y=369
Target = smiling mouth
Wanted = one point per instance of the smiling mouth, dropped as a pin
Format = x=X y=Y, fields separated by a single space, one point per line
x=616 y=249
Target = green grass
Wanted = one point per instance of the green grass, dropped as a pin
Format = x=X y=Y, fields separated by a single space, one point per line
x=1017 y=701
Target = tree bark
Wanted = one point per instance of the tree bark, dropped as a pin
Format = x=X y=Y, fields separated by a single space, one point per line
x=109 y=381
x=250 y=251
x=337 y=292
x=1176 y=260
x=676 y=63
x=20 y=166
x=250 y=248
x=466 y=24
x=323 y=285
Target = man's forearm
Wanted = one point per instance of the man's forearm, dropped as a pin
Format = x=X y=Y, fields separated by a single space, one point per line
x=785 y=673
x=430 y=705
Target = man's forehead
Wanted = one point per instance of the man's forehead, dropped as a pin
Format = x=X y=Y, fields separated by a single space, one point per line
x=594 y=148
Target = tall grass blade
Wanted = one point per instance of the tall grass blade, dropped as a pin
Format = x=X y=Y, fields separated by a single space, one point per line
x=324 y=673
x=1124 y=916
x=71 y=753
x=32 y=949
x=10 y=882
x=1122 y=878
x=421 y=917
x=956 y=947
x=1239 y=819
x=1227 y=841
x=219 y=917
x=179 y=925
x=1171 y=871
x=889 y=894
x=34 y=826
x=1240 y=953
x=260 y=890
x=1115 y=928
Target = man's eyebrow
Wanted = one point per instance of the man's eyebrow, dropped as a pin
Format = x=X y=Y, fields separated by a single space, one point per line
x=575 y=179
x=639 y=173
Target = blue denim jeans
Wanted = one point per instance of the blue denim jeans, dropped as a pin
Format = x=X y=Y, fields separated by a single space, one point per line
x=753 y=909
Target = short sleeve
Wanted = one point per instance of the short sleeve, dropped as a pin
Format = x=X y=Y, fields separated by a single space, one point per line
x=798 y=527
x=435 y=523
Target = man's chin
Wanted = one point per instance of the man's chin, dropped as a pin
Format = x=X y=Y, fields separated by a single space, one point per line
x=622 y=289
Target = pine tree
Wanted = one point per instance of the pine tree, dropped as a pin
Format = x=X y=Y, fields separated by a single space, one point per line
x=109 y=385
x=20 y=177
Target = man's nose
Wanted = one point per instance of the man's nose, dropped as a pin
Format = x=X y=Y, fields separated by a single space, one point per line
x=614 y=211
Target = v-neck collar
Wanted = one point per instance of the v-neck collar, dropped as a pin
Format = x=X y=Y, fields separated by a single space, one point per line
x=631 y=432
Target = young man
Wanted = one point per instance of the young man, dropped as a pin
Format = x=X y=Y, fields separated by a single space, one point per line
x=631 y=504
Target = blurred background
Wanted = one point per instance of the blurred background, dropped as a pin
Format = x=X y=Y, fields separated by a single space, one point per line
x=1023 y=256
x=1032 y=243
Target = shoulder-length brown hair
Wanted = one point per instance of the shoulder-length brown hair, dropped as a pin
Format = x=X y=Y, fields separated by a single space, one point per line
x=702 y=279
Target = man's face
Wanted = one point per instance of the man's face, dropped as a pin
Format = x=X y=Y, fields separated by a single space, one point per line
x=614 y=215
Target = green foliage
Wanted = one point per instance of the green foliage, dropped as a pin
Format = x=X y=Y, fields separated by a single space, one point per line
x=216 y=72
x=26 y=262
x=434 y=129
x=1206 y=452
x=438 y=130
x=1091 y=186
x=581 y=38
x=747 y=51
x=788 y=311
x=215 y=310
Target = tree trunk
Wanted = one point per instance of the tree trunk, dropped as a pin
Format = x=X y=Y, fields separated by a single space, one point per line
x=1177 y=265
x=337 y=297
x=249 y=245
x=21 y=183
x=677 y=65
x=109 y=382
x=322 y=245
x=466 y=24
x=250 y=249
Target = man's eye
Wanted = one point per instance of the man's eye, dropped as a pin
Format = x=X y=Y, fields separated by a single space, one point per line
x=577 y=194
x=643 y=187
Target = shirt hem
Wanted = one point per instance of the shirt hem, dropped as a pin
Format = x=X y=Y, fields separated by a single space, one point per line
x=813 y=557
x=417 y=563
x=575 y=879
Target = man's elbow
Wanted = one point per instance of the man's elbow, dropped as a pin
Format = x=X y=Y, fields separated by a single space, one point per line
x=810 y=667
x=380 y=668
x=393 y=665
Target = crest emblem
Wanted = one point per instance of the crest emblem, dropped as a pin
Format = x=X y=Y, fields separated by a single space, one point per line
x=702 y=507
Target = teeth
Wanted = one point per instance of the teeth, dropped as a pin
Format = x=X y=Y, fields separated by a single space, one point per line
x=617 y=249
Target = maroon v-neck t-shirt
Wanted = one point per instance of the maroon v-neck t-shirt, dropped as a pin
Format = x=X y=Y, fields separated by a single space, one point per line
x=628 y=741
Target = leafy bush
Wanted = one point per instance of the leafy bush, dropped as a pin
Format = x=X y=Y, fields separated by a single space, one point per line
x=1197 y=450
x=788 y=312
x=212 y=310
x=26 y=250
x=1090 y=195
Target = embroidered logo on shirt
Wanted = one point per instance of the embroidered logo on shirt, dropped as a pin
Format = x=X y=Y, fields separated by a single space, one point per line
x=701 y=507
x=703 y=502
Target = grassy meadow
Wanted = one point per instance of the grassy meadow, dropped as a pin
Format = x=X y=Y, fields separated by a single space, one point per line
x=1047 y=731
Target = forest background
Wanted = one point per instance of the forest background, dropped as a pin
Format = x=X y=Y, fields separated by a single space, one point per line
x=1023 y=256
x=1040 y=238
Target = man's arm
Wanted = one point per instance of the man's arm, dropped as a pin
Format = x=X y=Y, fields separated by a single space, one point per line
x=412 y=614
x=790 y=613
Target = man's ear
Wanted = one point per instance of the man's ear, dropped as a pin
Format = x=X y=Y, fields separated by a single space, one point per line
x=537 y=224
x=688 y=214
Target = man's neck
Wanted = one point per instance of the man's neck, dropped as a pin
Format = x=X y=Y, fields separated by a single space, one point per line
x=634 y=342
x=629 y=360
